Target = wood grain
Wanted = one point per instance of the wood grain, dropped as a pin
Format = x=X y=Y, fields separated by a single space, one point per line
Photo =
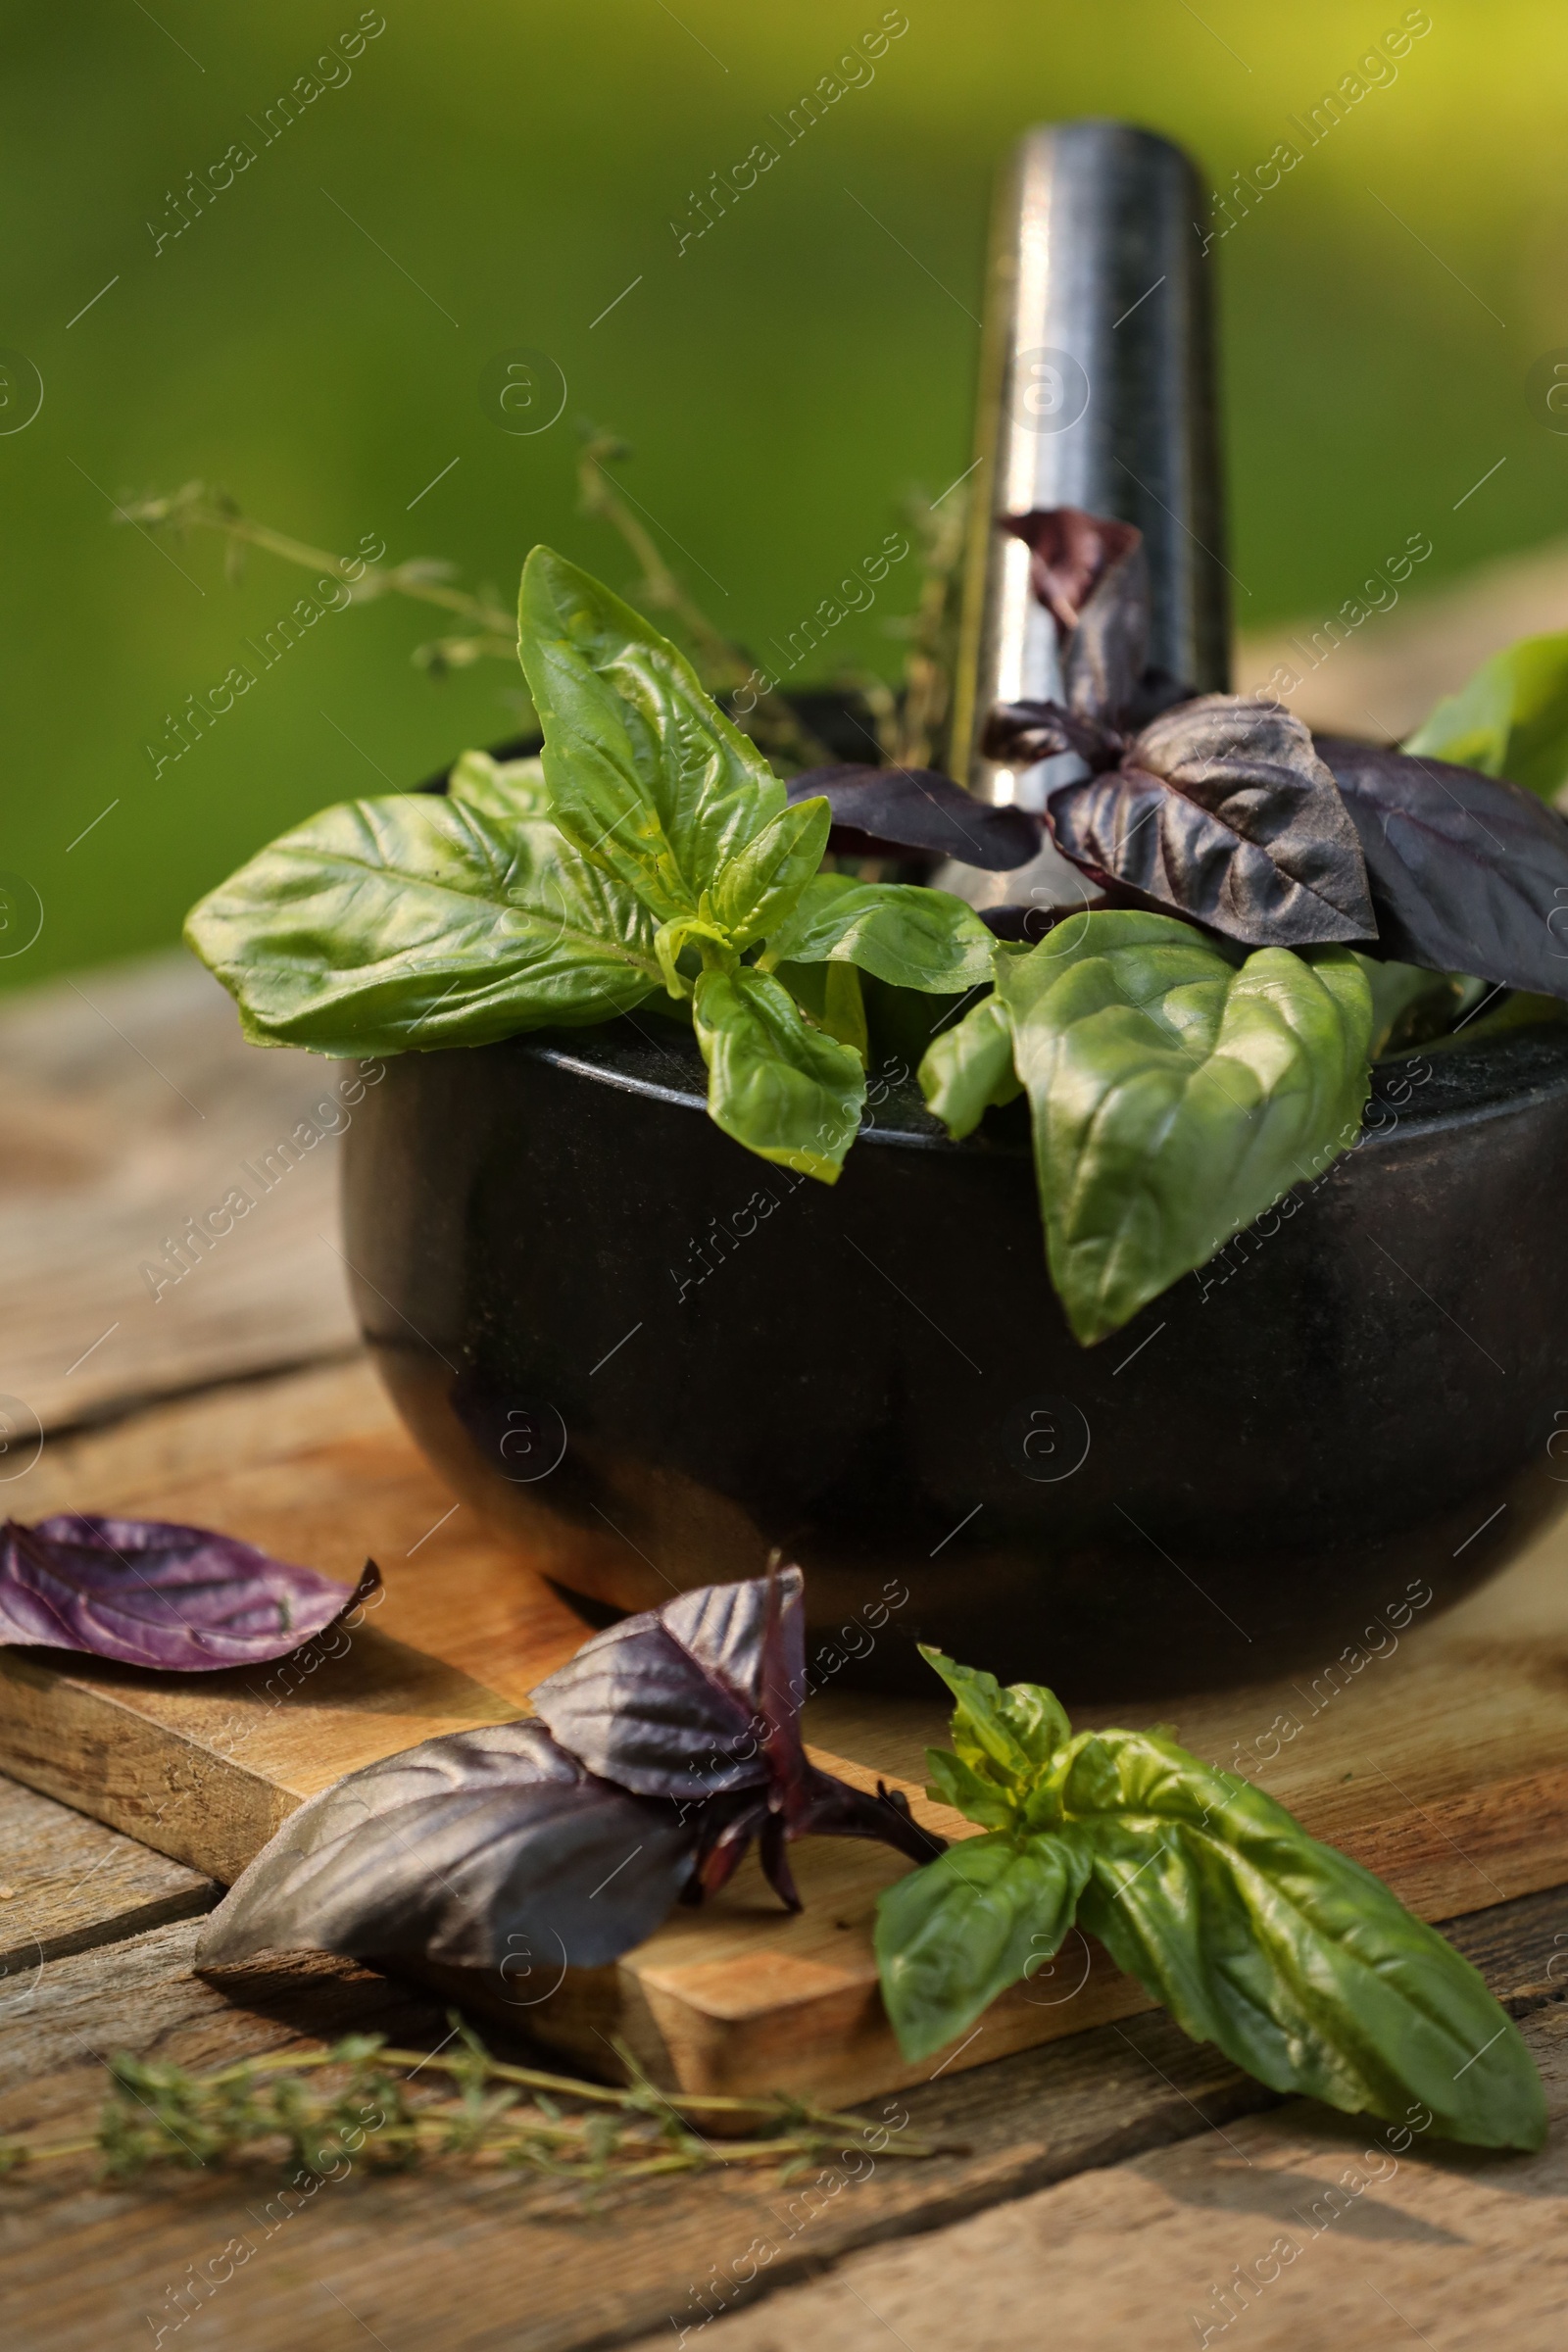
x=1291 y=2232
x=132 y=1105
x=67 y=1884
x=139 y=1994
x=481 y=2265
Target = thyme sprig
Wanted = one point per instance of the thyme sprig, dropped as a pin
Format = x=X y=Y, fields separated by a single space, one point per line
x=913 y=726
x=908 y=722
x=201 y=507
x=321 y=2109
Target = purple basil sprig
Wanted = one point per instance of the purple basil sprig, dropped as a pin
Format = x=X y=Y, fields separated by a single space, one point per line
x=1225 y=810
x=1214 y=807
x=151 y=1594
x=656 y=1756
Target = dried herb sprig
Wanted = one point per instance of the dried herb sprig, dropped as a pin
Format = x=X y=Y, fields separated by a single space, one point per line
x=200 y=507
x=906 y=721
x=931 y=634
x=721 y=664
x=492 y=628
x=320 y=2110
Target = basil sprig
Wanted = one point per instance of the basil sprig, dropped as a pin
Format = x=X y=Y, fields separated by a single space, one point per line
x=651 y=848
x=1298 y=1963
x=653 y=1761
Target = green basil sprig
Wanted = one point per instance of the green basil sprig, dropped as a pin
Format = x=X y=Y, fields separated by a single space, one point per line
x=650 y=848
x=1298 y=1963
x=1176 y=1091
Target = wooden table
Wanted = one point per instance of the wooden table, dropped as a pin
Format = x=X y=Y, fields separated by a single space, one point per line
x=1109 y=2187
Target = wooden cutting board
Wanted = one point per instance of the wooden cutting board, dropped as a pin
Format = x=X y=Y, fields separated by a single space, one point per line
x=1437 y=1754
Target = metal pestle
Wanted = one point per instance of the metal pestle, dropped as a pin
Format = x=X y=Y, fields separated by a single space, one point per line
x=1095 y=391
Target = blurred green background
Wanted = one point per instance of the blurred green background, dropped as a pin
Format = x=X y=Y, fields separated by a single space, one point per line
x=510 y=170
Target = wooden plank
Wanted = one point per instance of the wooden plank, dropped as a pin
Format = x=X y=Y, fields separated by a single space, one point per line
x=471 y=2260
x=1443 y=1763
x=1292 y=2232
x=478 y=2264
x=131 y=1104
x=67 y=1884
x=139 y=1994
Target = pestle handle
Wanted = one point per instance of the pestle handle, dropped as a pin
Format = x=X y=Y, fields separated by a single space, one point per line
x=1097 y=390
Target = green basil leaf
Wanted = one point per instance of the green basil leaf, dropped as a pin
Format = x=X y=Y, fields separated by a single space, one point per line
x=1298 y=1963
x=910 y=936
x=1510 y=719
x=1409 y=1005
x=959 y=1930
x=647 y=775
x=758 y=889
x=1013 y=1731
x=783 y=1088
x=501 y=789
x=957 y=1784
x=414 y=922
x=969 y=1069
x=830 y=993
x=1175 y=1097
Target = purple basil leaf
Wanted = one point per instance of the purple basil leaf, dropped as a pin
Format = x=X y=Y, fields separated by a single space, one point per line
x=1223 y=811
x=724 y=1843
x=670 y=1704
x=486 y=1849
x=1468 y=874
x=700 y=1700
x=773 y=1854
x=1157 y=692
x=502 y=1846
x=1071 y=553
x=1092 y=575
x=1020 y=733
x=1102 y=661
x=879 y=811
x=149 y=1594
x=729 y=1841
